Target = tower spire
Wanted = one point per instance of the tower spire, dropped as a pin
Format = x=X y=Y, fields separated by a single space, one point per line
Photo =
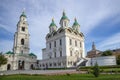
x=23 y=9
x=93 y=46
x=64 y=13
x=23 y=13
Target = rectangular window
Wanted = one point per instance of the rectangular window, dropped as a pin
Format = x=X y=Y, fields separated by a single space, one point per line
x=80 y=44
x=60 y=53
x=60 y=41
x=54 y=43
x=70 y=53
x=50 y=57
x=50 y=45
x=22 y=51
x=70 y=42
x=55 y=54
x=75 y=43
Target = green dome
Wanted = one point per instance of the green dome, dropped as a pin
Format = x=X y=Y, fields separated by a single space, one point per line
x=52 y=23
x=23 y=14
x=64 y=16
x=9 y=52
x=32 y=54
x=75 y=23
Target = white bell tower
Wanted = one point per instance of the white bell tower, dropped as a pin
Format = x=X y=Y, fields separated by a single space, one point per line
x=21 y=37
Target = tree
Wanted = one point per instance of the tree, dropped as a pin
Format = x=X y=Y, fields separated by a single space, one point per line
x=3 y=60
x=118 y=60
x=107 y=53
x=96 y=70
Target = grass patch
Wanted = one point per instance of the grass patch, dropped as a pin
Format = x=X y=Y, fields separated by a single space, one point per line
x=62 y=77
x=106 y=69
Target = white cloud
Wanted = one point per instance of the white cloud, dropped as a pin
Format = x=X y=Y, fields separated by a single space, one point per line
x=110 y=43
x=89 y=13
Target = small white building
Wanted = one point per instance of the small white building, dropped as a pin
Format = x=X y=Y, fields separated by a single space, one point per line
x=102 y=61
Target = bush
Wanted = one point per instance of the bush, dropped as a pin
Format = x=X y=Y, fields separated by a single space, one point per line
x=96 y=70
x=101 y=67
x=118 y=60
x=107 y=53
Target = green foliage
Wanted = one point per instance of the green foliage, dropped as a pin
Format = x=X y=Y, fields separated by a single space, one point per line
x=107 y=53
x=118 y=60
x=3 y=60
x=101 y=67
x=96 y=70
x=61 y=77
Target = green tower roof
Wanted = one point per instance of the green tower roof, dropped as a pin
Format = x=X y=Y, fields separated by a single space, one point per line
x=75 y=23
x=9 y=52
x=52 y=23
x=64 y=16
x=32 y=54
x=23 y=14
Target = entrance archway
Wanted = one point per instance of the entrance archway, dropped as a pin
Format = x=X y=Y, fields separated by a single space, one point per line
x=32 y=67
x=8 y=67
x=21 y=65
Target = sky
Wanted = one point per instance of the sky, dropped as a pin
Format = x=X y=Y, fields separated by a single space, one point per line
x=99 y=21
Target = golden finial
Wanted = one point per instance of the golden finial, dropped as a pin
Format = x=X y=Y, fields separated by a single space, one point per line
x=53 y=19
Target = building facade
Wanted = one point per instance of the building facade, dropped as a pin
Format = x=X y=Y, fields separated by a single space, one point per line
x=64 y=45
x=20 y=58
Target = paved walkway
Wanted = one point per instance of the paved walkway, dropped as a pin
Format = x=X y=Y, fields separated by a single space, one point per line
x=45 y=72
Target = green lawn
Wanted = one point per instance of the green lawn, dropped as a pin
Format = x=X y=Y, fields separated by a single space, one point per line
x=62 y=77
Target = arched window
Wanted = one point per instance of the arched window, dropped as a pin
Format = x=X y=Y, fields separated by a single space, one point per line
x=70 y=41
x=22 y=41
x=65 y=23
x=23 y=29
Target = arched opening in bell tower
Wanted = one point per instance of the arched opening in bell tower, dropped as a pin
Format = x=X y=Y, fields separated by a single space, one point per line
x=22 y=41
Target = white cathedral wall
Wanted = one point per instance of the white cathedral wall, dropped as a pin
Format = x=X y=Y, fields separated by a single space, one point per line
x=56 y=49
x=83 y=51
x=65 y=48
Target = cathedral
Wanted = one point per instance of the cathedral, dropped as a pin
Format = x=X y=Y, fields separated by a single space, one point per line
x=20 y=58
x=65 y=48
x=64 y=45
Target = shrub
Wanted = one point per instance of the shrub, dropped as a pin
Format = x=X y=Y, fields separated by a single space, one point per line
x=96 y=70
x=118 y=60
x=107 y=53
